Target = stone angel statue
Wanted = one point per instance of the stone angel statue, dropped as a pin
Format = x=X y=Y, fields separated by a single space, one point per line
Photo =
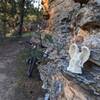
x=77 y=58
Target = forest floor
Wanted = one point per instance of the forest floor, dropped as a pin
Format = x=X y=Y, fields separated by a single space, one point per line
x=13 y=85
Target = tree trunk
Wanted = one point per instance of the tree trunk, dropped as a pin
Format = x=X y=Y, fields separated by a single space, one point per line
x=4 y=28
x=22 y=3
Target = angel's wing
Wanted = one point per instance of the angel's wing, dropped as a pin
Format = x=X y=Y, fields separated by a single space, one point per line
x=85 y=54
x=73 y=49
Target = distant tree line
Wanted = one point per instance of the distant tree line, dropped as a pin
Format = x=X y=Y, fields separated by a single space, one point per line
x=14 y=14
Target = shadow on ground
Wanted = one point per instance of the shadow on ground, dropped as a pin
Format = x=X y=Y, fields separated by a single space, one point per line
x=14 y=84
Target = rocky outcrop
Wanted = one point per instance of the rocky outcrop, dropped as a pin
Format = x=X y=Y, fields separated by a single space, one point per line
x=87 y=26
x=59 y=14
x=62 y=85
x=70 y=23
x=93 y=42
x=88 y=17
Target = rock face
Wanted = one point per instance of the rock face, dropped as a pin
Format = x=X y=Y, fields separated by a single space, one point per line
x=77 y=58
x=59 y=14
x=93 y=42
x=88 y=21
x=70 y=23
x=88 y=17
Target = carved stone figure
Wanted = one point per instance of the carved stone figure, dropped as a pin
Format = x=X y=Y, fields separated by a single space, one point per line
x=77 y=58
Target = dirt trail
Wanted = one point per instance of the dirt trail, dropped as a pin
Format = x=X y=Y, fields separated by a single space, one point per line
x=9 y=89
x=8 y=78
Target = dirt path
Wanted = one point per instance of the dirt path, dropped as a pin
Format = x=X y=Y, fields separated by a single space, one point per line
x=8 y=77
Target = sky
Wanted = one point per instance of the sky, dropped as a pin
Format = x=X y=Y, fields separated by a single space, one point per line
x=37 y=3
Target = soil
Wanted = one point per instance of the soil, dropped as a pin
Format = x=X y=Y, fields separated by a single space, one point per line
x=11 y=86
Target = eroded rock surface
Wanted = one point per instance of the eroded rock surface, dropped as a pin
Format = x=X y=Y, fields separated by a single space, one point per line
x=70 y=23
x=57 y=80
x=87 y=19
